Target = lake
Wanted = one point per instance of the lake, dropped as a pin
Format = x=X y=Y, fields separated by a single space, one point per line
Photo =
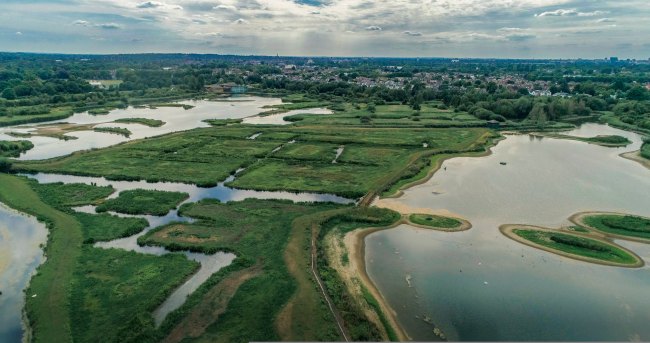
x=480 y=285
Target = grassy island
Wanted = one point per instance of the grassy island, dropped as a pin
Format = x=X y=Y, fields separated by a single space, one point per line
x=572 y=245
x=616 y=225
x=14 y=148
x=141 y=121
x=115 y=130
x=140 y=201
x=437 y=222
x=604 y=140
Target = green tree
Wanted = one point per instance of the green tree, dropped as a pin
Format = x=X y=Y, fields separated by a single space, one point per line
x=9 y=93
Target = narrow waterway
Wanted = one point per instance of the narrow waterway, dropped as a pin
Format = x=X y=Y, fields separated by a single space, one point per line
x=480 y=285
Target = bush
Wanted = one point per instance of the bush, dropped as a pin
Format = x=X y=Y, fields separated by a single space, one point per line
x=5 y=165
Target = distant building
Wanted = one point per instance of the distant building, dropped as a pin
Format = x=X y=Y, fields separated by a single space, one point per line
x=227 y=88
x=540 y=93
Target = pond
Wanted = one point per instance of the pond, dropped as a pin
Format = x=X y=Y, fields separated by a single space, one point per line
x=480 y=285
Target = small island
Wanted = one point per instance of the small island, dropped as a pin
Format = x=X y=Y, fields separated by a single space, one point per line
x=573 y=245
x=114 y=130
x=141 y=121
x=612 y=141
x=435 y=222
x=140 y=201
x=616 y=225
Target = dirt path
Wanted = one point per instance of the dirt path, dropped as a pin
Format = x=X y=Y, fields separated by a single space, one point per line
x=314 y=270
x=302 y=317
x=215 y=302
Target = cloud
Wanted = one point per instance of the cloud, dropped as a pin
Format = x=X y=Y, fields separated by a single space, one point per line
x=157 y=4
x=18 y=33
x=241 y=21
x=606 y=20
x=373 y=28
x=516 y=34
x=570 y=13
x=225 y=7
x=412 y=33
x=109 y=26
x=81 y=22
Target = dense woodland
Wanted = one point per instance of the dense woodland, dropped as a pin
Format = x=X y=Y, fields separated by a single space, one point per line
x=34 y=85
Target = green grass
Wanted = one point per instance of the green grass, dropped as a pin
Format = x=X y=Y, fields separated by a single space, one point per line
x=222 y=122
x=257 y=232
x=604 y=140
x=142 y=121
x=62 y=195
x=645 y=149
x=115 y=291
x=577 y=228
x=430 y=115
x=107 y=227
x=48 y=312
x=578 y=246
x=434 y=221
x=14 y=148
x=115 y=130
x=631 y=226
x=140 y=201
x=372 y=160
x=359 y=327
x=54 y=114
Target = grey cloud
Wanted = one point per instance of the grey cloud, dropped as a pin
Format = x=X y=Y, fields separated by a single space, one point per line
x=109 y=26
x=373 y=28
x=412 y=33
x=570 y=13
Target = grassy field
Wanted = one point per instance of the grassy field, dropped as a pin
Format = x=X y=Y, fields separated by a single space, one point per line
x=372 y=161
x=395 y=115
x=624 y=225
x=115 y=291
x=434 y=221
x=141 y=121
x=578 y=246
x=62 y=195
x=106 y=227
x=14 y=148
x=257 y=231
x=52 y=114
x=141 y=201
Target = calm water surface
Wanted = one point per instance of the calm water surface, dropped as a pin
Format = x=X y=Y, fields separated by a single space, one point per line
x=480 y=285
x=17 y=265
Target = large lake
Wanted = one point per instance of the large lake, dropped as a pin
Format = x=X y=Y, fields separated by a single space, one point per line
x=480 y=285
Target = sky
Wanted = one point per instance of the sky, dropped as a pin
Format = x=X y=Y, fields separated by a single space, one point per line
x=392 y=28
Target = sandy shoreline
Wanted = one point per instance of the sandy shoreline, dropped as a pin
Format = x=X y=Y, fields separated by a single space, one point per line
x=356 y=246
x=507 y=230
x=578 y=219
x=636 y=157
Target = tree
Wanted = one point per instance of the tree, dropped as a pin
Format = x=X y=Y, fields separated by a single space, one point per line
x=9 y=94
x=638 y=93
x=5 y=165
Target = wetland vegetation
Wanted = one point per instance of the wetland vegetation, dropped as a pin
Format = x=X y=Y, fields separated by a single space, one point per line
x=142 y=121
x=142 y=201
x=620 y=225
x=433 y=221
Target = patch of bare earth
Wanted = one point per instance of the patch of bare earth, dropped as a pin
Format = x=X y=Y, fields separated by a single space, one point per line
x=214 y=303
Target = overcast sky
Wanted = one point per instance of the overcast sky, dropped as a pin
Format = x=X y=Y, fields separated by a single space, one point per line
x=409 y=28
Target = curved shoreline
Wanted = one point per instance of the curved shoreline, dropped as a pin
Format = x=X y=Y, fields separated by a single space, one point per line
x=636 y=157
x=355 y=244
x=578 y=219
x=507 y=230
x=436 y=167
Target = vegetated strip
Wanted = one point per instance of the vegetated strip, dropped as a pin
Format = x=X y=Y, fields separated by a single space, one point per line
x=47 y=304
x=573 y=245
x=616 y=225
